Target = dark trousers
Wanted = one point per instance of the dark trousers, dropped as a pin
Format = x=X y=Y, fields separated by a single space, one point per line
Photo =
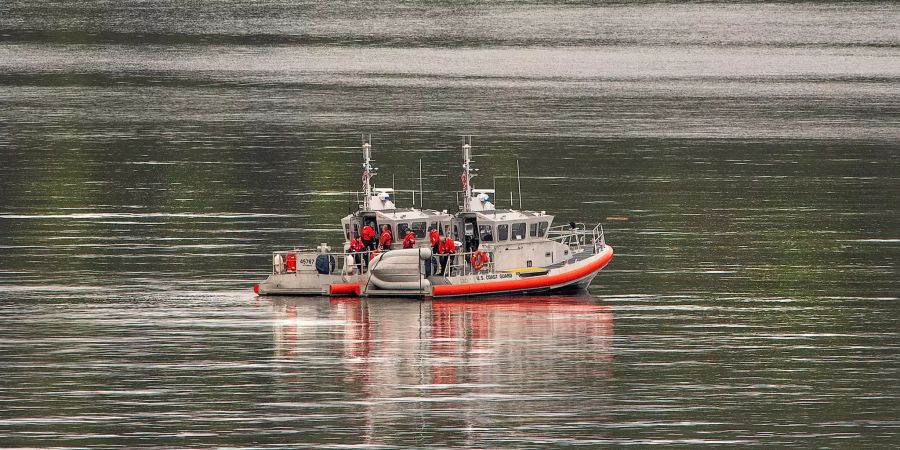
x=443 y=260
x=447 y=261
x=358 y=259
x=437 y=257
x=368 y=248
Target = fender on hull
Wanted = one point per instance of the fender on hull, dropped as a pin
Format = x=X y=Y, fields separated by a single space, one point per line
x=344 y=289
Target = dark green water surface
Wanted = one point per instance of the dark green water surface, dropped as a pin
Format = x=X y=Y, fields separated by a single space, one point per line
x=743 y=158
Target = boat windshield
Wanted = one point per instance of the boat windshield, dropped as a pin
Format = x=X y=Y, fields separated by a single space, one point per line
x=502 y=232
x=486 y=233
x=518 y=231
x=542 y=231
x=418 y=229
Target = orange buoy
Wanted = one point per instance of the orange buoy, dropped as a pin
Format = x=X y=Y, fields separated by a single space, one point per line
x=344 y=289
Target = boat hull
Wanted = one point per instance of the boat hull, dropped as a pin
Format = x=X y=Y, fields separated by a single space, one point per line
x=570 y=277
x=575 y=276
x=300 y=284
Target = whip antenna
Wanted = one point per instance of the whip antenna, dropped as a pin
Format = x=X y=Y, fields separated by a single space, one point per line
x=519 y=178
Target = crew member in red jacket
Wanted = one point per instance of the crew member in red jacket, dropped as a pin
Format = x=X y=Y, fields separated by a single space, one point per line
x=435 y=237
x=435 y=241
x=409 y=241
x=356 y=249
x=368 y=237
x=386 y=238
x=447 y=249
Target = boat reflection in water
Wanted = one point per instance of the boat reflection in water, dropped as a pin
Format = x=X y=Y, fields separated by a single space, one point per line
x=413 y=361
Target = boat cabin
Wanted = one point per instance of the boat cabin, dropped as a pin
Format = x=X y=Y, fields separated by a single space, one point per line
x=398 y=220
x=500 y=226
x=516 y=239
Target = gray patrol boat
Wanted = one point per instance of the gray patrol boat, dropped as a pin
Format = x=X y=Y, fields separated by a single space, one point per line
x=498 y=251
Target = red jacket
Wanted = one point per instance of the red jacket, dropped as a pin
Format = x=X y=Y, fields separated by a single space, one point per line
x=356 y=245
x=368 y=233
x=409 y=241
x=435 y=237
x=448 y=246
x=386 y=239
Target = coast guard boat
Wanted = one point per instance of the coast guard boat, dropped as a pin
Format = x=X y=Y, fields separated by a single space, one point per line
x=502 y=251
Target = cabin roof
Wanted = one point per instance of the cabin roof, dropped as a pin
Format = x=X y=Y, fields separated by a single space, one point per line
x=509 y=215
x=411 y=214
x=405 y=214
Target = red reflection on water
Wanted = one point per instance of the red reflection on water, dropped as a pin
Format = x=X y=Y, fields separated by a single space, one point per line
x=448 y=341
x=397 y=357
x=477 y=326
x=358 y=327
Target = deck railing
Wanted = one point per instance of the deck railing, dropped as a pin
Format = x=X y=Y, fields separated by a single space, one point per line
x=572 y=237
x=459 y=263
x=579 y=236
x=340 y=260
x=597 y=237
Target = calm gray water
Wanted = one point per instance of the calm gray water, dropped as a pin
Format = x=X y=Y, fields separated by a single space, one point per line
x=743 y=157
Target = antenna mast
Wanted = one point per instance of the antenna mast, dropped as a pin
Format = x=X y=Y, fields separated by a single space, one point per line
x=368 y=171
x=467 y=175
x=519 y=178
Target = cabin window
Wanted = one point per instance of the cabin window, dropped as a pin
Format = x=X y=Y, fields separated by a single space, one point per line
x=486 y=233
x=469 y=230
x=542 y=229
x=532 y=230
x=401 y=230
x=418 y=229
x=518 y=231
x=502 y=232
x=347 y=230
